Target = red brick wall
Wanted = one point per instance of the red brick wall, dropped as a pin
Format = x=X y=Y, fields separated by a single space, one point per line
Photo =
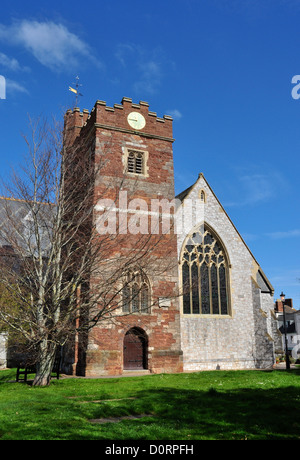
x=107 y=132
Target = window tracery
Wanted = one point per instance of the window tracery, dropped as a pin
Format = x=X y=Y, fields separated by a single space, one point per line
x=136 y=293
x=205 y=275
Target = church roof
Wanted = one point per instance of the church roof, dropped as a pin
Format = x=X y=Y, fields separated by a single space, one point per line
x=261 y=279
x=181 y=196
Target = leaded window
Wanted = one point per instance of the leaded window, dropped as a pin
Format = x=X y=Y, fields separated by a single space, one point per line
x=205 y=275
x=136 y=293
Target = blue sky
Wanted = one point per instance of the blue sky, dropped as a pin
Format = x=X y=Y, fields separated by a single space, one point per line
x=222 y=68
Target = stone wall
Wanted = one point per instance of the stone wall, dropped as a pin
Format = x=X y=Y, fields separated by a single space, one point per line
x=242 y=339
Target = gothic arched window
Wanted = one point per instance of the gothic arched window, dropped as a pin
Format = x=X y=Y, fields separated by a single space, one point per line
x=136 y=293
x=205 y=275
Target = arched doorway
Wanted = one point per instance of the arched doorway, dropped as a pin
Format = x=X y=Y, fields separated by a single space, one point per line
x=135 y=350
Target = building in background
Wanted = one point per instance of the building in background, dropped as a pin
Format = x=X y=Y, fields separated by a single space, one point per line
x=292 y=324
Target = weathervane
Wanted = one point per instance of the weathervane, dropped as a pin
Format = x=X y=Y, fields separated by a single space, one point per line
x=77 y=84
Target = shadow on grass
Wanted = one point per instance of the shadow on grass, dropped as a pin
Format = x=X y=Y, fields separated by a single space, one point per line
x=247 y=413
x=238 y=409
x=7 y=375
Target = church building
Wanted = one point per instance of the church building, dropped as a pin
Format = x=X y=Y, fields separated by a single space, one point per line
x=201 y=301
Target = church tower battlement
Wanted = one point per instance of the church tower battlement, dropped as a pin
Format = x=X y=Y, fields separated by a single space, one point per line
x=116 y=117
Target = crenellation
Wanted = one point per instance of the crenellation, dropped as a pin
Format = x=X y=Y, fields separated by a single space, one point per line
x=126 y=99
x=117 y=117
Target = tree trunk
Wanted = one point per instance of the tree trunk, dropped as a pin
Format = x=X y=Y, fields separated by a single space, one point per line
x=44 y=364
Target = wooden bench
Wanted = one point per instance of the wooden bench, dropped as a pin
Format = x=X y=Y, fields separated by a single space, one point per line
x=23 y=370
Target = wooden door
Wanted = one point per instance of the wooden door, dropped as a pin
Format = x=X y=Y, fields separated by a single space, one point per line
x=134 y=350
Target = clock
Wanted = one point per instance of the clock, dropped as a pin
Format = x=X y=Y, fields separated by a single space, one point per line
x=136 y=120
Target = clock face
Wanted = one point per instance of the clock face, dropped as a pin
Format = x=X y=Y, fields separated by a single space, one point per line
x=136 y=120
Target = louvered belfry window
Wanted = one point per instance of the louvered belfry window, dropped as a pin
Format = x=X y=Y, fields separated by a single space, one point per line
x=205 y=275
x=135 y=162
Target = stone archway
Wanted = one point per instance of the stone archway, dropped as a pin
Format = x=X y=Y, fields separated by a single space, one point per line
x=135 y=349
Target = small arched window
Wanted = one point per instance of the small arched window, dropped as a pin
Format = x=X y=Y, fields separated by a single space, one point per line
x=136 y=293
x=205 y=275
x=202 y=196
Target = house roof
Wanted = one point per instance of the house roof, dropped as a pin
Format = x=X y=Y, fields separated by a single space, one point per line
x=288 y=310
x=16 y=223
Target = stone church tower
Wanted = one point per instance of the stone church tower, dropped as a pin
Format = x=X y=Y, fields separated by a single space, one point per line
x=133 y=149
x=198 y=300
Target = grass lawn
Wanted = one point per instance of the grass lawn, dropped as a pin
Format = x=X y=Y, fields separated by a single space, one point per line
x=214 y=405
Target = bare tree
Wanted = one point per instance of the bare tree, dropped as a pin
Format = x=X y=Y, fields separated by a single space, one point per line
x=61 y=274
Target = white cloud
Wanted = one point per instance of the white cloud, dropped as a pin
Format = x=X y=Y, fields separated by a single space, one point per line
x=175 y=114
x=9 y=63
x=256 y=188
x=13 y=86
x=150 y=76
x=250 y=237
x=147 y=66
x=284 y=234
x=284 y=276
x=273 y=235
x=123 y=49
x=53 y=45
